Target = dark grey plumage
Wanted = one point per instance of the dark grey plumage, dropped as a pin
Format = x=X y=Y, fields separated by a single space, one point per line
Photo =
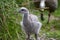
x=51 y=4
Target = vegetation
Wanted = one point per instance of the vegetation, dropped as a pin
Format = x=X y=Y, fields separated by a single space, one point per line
x=10 y=28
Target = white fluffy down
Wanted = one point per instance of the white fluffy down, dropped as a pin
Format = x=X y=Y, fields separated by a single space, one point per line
x=33 y=26
x=34 y=20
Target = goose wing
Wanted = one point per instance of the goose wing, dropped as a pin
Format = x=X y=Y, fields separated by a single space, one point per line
x=33 y=18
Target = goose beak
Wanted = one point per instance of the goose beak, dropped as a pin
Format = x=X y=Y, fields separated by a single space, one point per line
x=19 y=11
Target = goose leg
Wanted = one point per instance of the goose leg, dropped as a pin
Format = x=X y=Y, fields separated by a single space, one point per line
x=28 y=38
x=37 y=37
x=48 y=17
x=42 y=18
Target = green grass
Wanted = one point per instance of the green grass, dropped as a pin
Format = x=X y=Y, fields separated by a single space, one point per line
x=10 y=28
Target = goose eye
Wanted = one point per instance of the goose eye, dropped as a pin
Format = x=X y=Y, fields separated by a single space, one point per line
x=22 y=10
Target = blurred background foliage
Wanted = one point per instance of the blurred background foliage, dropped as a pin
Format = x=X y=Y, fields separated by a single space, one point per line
x=10 y=28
